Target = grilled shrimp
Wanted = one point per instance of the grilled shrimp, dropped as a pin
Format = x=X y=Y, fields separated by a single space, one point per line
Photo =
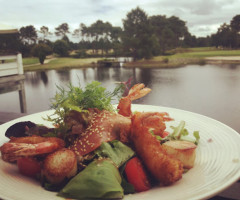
x=29 y=146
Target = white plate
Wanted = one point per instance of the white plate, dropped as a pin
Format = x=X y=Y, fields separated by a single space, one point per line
x=217 y=163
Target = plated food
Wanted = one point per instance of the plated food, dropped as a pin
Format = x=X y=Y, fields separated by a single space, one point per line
x=151 y=135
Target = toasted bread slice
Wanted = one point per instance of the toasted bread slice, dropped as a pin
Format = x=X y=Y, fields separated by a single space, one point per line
x=60 y=165
x=183 y=150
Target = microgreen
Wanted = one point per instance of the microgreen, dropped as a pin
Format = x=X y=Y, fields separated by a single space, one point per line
x=79 y=99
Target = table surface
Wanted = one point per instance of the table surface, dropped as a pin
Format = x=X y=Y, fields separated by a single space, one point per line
x=231 y=193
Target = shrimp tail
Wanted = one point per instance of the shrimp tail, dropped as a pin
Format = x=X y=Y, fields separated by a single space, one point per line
x=136 y=92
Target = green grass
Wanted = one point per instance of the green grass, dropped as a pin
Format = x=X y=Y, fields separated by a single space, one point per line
x=59 y=63
x=183 y=57
x=208 y=53
x=30 y=61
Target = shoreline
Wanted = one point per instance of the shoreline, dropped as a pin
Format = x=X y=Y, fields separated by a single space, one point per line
x=153 y=63
x=181 y=62
x=223 y=60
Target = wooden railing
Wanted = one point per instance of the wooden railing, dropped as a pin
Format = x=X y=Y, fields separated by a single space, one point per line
x=11 y=65
x=12 y=77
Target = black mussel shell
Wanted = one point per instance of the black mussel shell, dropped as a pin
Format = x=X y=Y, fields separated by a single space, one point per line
x=39 y=130
x=19 y=129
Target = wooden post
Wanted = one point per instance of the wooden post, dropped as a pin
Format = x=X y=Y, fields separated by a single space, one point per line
x=19 y=63
x=22 y=98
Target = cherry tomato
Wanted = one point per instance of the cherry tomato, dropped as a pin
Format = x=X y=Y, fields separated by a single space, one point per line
x=136 y=175
x=28 y=166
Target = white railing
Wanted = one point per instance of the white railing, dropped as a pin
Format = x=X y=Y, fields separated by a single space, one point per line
x=13 y=67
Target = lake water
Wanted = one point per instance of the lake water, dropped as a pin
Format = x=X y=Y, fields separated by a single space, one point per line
x=211 y=90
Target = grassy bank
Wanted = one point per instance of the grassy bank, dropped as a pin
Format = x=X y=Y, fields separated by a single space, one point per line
x=59 y=63
x=179 y=57
x=183 y=57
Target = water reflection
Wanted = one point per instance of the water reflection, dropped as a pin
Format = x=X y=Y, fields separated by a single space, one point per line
x=63 y=75
x=209 y=90
x=44 y=77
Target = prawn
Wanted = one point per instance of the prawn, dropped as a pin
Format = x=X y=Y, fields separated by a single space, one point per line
x=136 y=92
x=29 y=146
x=162 y=166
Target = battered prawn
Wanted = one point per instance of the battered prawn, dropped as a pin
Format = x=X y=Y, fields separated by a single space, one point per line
x=29 y=146
x=136 y=92
x=162 y=166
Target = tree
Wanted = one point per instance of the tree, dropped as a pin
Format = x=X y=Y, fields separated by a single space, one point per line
x=179 y=29
x=41 y=51
x=189 y=40
x=60 y=47
x=235 y=23
x=100 y=34
x=84 y=31
x=137 y=35
x=116 y=44
x=163 y=32
x=235 y=26
x=115 y=33
x=45 y=32
x=62 y=30
x=166 y=40
x=28 y=34
x=225 y=37
x=170 y=31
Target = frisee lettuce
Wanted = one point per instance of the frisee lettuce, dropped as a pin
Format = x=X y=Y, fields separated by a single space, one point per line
x=79 y=99
x=181 y=133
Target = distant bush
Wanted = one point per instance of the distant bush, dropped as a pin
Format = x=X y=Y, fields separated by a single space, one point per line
x=61 y=48
x=41 y=51
x=165 y=60
x=177 y=50
x=80 y=54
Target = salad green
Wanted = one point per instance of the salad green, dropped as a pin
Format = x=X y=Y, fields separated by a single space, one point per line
x=115 y=150
x=100 y=179
x=181 y=133
x=105 y=162
x=81 y=99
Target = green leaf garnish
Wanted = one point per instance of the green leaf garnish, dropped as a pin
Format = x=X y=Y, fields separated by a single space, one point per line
x=197 y=136
x=78 y=99
x=181 y=133
x=115 y=150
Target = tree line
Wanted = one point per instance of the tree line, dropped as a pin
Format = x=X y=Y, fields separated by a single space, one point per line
x=141 y=36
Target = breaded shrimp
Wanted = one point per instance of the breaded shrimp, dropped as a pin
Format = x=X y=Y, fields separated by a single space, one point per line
x=162 y=166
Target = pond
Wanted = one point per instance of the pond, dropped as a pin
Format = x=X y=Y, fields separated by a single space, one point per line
x=211 y=90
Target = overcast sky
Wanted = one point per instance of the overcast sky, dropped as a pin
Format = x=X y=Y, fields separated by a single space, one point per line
x=203 y=17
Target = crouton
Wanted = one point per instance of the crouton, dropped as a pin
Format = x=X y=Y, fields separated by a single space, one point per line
x=183 y=150
x=60 y=165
